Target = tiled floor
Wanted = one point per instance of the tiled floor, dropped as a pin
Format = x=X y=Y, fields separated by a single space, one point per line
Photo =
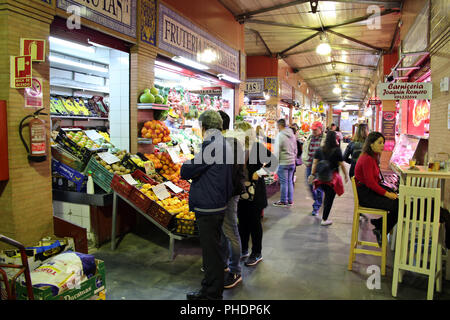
x=302 y=260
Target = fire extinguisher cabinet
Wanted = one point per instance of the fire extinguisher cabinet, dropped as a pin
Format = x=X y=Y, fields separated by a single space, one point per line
x=4 y=166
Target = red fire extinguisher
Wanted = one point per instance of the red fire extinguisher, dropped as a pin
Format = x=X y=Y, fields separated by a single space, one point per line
x=37 y=152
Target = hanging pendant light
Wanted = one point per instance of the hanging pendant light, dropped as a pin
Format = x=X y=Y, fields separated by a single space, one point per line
x=324 y=47
x=337 y=90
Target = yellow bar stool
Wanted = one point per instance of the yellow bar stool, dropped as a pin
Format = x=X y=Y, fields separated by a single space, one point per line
x=355 y=243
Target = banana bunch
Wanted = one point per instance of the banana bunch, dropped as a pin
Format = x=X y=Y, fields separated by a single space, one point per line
x=104 y=135
x=79 y=104
x=139 y=162
x=68 y=104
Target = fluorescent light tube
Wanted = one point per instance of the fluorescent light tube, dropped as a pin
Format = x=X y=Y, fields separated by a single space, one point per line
x=222 y=76
x=71 y=45
x=169 y=66
x=190 y=63
x=77 y=64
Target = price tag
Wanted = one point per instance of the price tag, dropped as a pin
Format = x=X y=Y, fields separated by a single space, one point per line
x=161 y=191
x=109 y=158
x=177 y=148
x=174 y=155
x=149 y=167
x=173 y=187
x=128 y=178
x=93 y=135
x=185 y=148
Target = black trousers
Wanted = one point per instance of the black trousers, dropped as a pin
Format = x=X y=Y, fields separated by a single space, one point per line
x=370 y=199
x=210 y=232
x=330 y=194
x=249 y=224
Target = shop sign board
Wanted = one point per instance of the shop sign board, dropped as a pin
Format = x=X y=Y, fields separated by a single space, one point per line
x=254 y=87
x=20 y=71
x=405 y=91
x=286 y=90
x=34 y=48
x=179 y=36
x=374 y=102
x=118 y=15
x=33 y=94
x=388 y=128
x=209 y=91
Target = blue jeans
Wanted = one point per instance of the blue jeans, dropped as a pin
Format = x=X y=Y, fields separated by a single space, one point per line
x=232 y=241
x=285 y=174
x=316 y=194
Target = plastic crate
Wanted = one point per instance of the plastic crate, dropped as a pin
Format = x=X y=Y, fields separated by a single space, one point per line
x=185 y=227
x=70 y=174
x=101 y=176
x=159 y=214
x=81 y=153
x=119 y=185
x=139 y=199
x=63 y=156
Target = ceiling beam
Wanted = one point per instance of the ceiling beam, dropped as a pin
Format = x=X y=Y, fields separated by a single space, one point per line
x=299 y=43
x=262 y=40
x=387 y=5
x=355 y=40
x=247 y=15
x=370 y=67
x=339 y=75
x=360 y=19
x=339 y=47
x=279 y=24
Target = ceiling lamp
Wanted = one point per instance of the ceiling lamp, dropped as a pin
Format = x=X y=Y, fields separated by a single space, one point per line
x=323 y=49
x=337 y=90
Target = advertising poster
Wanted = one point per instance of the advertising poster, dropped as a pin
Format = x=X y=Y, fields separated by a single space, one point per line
x=388 y=129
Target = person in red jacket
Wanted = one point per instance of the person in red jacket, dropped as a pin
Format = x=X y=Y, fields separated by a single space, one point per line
x=367 y=177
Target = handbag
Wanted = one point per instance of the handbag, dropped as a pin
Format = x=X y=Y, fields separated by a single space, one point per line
x=249 y=185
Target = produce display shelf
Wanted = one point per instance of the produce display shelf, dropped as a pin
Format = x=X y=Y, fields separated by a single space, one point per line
x=152 y=106
x=172 y=236
x=98 y=199
x=77 y=117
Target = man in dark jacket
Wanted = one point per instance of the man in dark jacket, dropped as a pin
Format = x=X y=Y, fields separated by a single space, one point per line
x=211 y=189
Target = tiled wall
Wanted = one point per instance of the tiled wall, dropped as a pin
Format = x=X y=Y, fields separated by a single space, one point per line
x=119 y=115
x=78 y=214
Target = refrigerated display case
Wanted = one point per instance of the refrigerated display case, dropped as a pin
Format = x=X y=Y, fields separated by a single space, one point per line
x=408 y=147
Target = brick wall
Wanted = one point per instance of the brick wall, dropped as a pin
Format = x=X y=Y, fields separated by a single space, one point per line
x=439 y=140
x=26 y=212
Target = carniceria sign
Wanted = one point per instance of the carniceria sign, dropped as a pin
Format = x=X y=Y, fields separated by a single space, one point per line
x=405 y=91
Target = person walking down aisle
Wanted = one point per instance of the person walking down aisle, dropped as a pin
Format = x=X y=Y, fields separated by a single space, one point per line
x=325 y=169
x=249 y=211
x=211 y=190
x=286 y=151
x=231 y=243
x=311 y=145
x=367 y=177
x=354 y=148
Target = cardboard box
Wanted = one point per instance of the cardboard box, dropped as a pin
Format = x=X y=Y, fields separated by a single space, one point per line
x=95 y=286
x=35 y=256
x=70 y=174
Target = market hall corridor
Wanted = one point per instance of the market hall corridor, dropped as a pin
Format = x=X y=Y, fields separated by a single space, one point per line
x=302 y=260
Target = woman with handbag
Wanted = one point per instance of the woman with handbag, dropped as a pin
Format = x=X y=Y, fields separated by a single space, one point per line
x=254 y=198
x=371 y=193
x=325 y=169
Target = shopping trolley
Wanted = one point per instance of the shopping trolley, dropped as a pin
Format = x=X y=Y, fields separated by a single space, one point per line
x=10 y=285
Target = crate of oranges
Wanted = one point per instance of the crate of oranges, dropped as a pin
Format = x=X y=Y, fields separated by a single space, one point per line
x=156 y=130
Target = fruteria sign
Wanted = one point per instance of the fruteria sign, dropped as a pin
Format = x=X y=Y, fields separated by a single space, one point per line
x=405 y=91
x=179 y=36
x=118 y=15
x=20 y=72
